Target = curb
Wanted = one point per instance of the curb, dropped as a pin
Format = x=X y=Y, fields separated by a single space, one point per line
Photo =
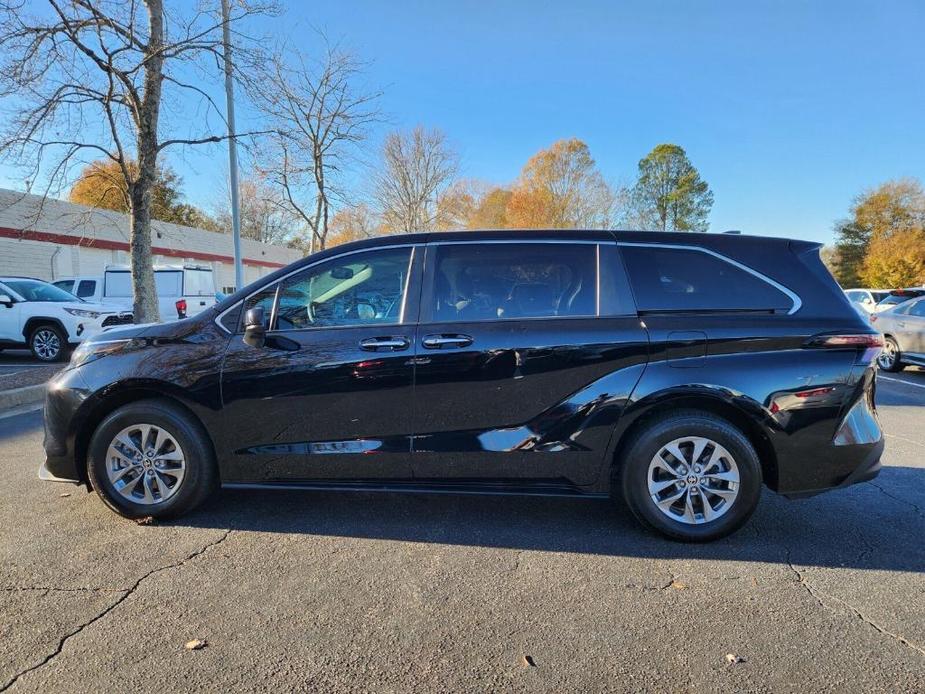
x=26 y=395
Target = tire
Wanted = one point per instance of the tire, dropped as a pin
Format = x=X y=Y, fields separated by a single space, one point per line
x=48 y=343
x=890 y=357
x=727 y=452
x=186 y=484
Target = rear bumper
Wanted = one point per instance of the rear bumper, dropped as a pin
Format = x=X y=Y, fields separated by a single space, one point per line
x=868 y=468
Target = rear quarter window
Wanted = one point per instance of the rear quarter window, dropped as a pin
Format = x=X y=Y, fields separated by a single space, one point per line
x=682 y=279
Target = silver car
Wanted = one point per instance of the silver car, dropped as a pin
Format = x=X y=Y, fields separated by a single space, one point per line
x=903 y=329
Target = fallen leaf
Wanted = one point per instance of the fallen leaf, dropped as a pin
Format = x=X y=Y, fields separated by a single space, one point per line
x=677 y=585
x=732 y=658
x=527 y=661
x=66 y=494
x=195 y=645
x=145 y=520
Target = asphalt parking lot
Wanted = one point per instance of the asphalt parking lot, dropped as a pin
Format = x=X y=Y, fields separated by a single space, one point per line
x=322 y=591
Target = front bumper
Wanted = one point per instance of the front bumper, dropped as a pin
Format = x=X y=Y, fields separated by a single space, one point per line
x=65 y=394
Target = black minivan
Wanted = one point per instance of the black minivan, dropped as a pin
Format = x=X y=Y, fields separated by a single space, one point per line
x=676 y=371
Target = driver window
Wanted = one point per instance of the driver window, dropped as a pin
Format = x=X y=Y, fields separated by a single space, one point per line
x=356 y=289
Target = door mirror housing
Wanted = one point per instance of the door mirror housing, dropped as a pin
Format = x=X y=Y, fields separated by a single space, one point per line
x=6 y=300
x=255 y=327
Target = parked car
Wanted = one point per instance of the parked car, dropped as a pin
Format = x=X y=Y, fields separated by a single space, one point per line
x=182 y=290
x=896 y=297
x=866 y=299
x=903 y=329
x=49 y=320
x=677 y=372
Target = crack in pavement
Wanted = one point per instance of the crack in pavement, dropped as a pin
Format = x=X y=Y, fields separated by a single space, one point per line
x=918 y=510
x=818 y=597
x=126 y=592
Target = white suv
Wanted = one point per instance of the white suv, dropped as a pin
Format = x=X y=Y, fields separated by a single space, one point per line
x=48 y=320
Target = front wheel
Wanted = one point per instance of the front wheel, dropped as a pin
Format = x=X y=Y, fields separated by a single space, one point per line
x=151 y=458
x=889 y=357
x=691 y=476
x=48 y=343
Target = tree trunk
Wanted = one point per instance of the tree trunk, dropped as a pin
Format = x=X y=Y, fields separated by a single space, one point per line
x=145 y=305
x=143 y=286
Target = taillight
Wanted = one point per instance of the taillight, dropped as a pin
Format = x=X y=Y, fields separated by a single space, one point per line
x=840 y=341
x=181 y=308
x=867 y=344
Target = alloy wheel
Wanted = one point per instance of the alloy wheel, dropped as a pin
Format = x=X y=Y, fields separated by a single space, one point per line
x=145 y=464
x=887 y=357
x=693 y=480
x=47 y=345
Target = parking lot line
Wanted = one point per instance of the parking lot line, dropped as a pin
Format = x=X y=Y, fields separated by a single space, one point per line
x=899 y=380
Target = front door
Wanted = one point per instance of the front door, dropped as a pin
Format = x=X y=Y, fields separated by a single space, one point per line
x=911 y=329
x=519 y=379
x=10 y=318
x=328 y=397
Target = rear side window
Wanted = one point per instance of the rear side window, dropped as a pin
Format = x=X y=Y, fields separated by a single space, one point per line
x=86 y=289
x=169 y=282
x=66 y=285
x=508 y=281
x=681 y=279
x=918 y=308
x=118 y=283
x=198 y=283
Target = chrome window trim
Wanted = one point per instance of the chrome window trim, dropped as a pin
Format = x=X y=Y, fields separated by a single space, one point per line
x=240 y=302
x=793 y=296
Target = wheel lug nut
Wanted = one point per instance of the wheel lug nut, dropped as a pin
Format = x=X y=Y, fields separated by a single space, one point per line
x=683 y=483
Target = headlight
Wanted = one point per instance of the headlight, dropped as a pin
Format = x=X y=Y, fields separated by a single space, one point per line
x=83 y=313
x=90 y=351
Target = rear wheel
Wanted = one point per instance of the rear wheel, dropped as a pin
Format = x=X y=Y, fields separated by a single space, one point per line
x=691 y=476
x=150 y=458
x=889 y=358
x=48 y=343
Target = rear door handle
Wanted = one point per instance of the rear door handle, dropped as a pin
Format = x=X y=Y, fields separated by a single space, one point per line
x=392 y=343
x=446 y=341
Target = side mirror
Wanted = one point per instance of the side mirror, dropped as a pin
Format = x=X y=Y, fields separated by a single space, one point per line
x=6 y=300
x=255 y=327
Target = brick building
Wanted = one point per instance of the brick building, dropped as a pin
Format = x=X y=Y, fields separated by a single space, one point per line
x=50 y=239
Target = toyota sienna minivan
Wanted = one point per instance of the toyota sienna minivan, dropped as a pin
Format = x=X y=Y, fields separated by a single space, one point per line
x=675 y=372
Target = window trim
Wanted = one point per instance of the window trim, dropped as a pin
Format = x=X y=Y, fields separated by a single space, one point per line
x=428 y=279
x=278 y=281
x=793 y=296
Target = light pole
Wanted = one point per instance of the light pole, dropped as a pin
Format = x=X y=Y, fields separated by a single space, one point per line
x=232 y=150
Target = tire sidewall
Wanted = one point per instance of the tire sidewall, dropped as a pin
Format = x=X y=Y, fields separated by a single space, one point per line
x=199 y=477
x=635 y=466
x=62 y=341
x=897 y=364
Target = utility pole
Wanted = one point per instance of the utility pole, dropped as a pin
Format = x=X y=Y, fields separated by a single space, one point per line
x=232 y=150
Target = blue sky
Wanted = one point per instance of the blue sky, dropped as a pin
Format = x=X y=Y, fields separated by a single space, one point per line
x=788 y=109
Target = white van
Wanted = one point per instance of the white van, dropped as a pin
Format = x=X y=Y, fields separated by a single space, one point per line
x=182 y=290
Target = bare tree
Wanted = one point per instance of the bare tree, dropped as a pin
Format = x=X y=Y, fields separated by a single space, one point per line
x=87 y=79
x=265 y=215
x=320 y=114
x=417 y=167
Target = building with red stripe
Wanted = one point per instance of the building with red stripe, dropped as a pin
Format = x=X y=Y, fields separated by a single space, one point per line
x=52 y=239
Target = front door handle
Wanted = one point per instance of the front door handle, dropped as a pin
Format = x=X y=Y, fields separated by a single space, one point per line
x=446 y=341
x=392 y=343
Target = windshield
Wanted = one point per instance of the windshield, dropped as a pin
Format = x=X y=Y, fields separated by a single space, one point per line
x=35 y=290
